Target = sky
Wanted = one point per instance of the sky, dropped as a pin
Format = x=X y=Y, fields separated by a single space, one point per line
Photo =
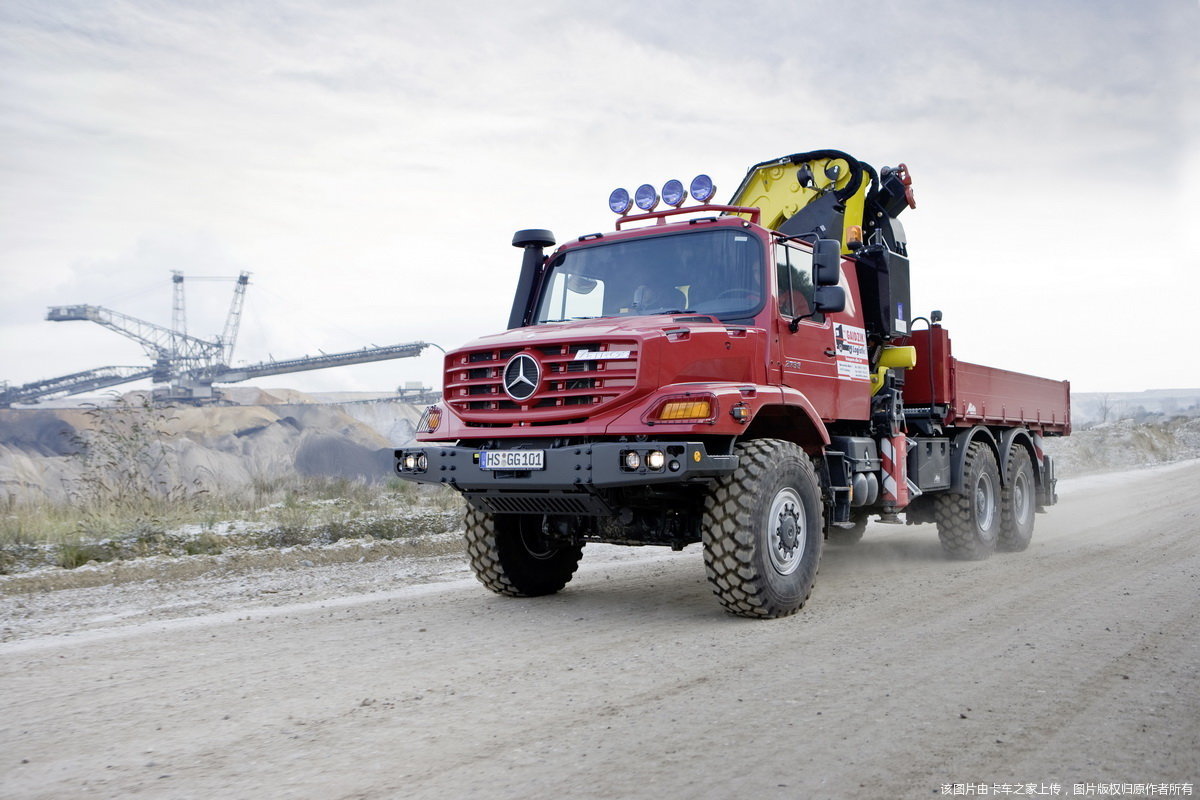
x=368 y=162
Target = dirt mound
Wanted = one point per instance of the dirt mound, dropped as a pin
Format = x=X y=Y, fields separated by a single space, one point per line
x=322 y=454
x=253 y=396
x=212 y=447
x=41 y=434
x=1126 y=444
x=395 y=422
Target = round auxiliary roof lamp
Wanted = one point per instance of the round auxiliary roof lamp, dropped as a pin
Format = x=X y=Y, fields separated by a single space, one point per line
x=619 y=201
x=703 y=188
x=673 y=193
x=646 y=198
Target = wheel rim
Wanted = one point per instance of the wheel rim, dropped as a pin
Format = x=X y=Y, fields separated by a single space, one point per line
x=985 y=503
x=787 y=532
x=1022 y=508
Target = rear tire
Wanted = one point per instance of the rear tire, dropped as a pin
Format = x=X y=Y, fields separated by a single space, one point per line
x=510 y=555
x=762 y=531
x=969 y=523
x=1017 y=501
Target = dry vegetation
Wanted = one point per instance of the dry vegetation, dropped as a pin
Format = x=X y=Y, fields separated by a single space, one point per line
x=303 y=511
x=128 y=505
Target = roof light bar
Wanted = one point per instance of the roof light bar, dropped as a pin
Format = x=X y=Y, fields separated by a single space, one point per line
x=673 y=194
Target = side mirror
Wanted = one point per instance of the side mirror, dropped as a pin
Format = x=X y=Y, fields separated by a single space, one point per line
x=829 y=299
x=827 y=262
x=826 y=300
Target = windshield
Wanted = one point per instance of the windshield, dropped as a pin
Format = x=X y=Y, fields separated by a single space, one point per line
x=716 y=272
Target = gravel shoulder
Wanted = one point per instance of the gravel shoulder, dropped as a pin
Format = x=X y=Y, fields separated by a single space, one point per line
x=1077 y=661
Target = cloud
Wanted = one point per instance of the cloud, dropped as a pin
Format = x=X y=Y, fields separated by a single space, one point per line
x=368 y=162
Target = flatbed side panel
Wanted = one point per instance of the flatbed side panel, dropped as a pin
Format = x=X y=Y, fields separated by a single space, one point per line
x=973 y=394
x=990 y=396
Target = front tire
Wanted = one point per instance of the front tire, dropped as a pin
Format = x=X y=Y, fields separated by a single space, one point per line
x=510 y=554
x=969 y=522
x=763 y=531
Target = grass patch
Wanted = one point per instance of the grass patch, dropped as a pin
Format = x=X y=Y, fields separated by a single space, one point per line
x=206 y=544
x=297 y=512
x=71 y=555
x=35 y=524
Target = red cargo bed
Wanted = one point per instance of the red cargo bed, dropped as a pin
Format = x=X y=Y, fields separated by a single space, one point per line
x=972 y=394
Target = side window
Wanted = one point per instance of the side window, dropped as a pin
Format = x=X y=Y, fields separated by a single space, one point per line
x=783 y=281
x=571 y=296
x=554 y=305
x=793 y=275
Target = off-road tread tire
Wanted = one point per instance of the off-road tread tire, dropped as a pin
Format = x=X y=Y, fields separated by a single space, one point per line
x=1013 y=538
x=955 y=513
x=733 y=515
x=502 y=563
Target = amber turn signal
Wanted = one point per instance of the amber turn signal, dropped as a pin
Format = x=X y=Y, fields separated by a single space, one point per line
x=680 y=410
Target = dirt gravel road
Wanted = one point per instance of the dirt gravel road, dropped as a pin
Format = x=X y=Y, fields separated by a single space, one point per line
x=1077 y=662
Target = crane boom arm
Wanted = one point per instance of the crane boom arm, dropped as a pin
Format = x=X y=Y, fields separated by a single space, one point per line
x=76 y=383
x=362 y=356
x=159 y=342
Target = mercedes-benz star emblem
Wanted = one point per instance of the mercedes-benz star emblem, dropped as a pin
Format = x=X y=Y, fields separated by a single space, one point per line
x=521 y=376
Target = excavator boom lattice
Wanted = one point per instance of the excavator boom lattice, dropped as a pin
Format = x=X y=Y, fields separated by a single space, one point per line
x=190 y=365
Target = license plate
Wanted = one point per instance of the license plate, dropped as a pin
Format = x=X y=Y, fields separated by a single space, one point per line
x=512 y=459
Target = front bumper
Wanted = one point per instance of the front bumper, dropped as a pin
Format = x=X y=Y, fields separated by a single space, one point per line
x=574 y=475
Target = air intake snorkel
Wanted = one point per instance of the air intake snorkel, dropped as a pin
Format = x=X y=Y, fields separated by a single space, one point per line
x=534 y=241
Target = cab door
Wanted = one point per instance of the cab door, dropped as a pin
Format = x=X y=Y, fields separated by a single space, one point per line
x=810 y=356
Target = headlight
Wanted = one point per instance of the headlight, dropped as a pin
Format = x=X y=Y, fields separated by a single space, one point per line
x=688 y=408
x=631 y=460
x=656 y=459
x=430 y=420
